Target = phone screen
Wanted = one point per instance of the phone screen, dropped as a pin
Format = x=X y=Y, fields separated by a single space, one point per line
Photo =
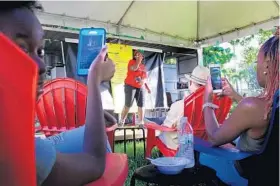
x=91 y=41
x=216 y=78
x=92 y=44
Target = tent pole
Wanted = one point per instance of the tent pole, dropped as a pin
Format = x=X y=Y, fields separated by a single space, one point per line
x=123 y=16
x=63 y=57
x=62 y=52
x=277 y=4
x=200 y=55
x=198 y=20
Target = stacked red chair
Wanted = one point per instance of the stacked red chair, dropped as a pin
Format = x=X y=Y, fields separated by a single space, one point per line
x=63 y=107
x=193 y=111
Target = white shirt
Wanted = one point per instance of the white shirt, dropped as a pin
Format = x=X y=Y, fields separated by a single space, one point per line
x=106 y=97
x=170 y=139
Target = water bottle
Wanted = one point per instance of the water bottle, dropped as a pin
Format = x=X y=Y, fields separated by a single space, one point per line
x=185 y=140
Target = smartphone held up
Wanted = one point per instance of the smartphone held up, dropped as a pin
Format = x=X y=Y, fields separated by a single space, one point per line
x=216 y=79
x=91 y=41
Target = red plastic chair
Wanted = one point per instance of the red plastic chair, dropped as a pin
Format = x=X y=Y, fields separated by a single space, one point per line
x=17 y=98
x=192 y=110
x=63 y=107
x=18 y=82
x=116 y=171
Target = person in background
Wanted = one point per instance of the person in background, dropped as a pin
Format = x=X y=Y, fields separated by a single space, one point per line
x=197 y=78
x=134 y=87
x=57 y=162
x=250 y=119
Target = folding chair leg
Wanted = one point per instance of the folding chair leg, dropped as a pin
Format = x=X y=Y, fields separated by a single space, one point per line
x=150 y=142
x=111 y=139
x=132 y=181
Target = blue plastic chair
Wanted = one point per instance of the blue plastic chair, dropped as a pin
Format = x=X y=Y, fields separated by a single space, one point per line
x=223 y=159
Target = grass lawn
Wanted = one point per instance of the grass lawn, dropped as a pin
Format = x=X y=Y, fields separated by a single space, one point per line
x=134 y=163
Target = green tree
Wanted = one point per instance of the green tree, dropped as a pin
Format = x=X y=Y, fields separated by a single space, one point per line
x=216 y=55
x=265 y=35
x=170 y=61
x=219 y=55
x=261 y=36
x=250 y=55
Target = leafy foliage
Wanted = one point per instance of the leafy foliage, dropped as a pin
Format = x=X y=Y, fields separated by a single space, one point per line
x=250 y=55
x=216 y=55
x=262 y=36
x=247 y=68
x=265 y=35
x=170 y=61
x=242 y=41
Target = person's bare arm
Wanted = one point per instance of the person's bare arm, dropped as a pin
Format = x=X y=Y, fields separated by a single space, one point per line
x=246 y=115
x=237 y=97
x=147 y=87
x=139 y=59
x=144 y=81
x=95 y=135
x=135 y=66
x=111 y=120
x=228 y=90
x=79 y=169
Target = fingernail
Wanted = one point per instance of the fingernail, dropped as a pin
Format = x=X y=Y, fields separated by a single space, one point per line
x=105 y=47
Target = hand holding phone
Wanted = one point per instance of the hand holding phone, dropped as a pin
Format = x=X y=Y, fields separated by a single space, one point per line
x=91 y=41
x=216 y=79
x=102 y=68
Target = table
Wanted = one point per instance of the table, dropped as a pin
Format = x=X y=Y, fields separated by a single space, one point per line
x=133 y=128
x=199 y=175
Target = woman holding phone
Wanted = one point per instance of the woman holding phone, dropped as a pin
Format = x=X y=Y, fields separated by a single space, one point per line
x=250 y=120
x=134 y=86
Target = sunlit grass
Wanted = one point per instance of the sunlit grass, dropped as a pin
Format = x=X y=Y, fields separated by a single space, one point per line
x=136 y=162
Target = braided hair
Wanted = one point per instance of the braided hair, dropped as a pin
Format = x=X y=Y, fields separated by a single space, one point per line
x=271 y=51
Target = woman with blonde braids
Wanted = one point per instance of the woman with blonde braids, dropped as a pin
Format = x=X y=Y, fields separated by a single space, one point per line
x=250 y=119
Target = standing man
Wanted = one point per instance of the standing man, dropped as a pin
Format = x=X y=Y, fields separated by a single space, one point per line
x=134 y=87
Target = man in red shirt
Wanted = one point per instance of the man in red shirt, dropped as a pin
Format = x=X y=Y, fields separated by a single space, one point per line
x=134 y=86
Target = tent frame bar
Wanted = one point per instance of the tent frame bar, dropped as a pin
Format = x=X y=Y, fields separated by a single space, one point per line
x=66 y=18
x=151 y=36
x=124 y=14
x=238 y=29
x=239 y=32
x=70 y=40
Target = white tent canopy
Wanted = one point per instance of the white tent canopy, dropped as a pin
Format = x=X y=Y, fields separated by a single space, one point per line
x=175 y=23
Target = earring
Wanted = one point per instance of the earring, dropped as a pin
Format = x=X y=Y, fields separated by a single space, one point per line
x=265 y=73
